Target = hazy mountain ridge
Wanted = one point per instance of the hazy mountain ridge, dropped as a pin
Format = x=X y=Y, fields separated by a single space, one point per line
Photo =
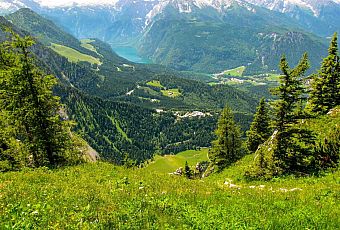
x=311 y=14
x=207 y=40
x=318 y=16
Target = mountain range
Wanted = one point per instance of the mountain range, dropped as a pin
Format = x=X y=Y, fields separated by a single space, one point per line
x=200 y=35
x=320 y=16
x=122 y=107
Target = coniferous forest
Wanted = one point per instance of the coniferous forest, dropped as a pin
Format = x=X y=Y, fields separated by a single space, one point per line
x=90 y=140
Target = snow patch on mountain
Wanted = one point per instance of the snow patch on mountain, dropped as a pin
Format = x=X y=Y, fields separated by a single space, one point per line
x=11 y=4
x=285 y=6
x=5 y=5
x=157 y=9
x=184 y=6
x=188 y=6
x=67 y=3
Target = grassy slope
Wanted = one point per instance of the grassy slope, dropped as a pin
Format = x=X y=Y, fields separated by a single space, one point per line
x=169 y=163
x=104 y=196
x=155 y=83
x=171 y=93
x=86 y=43
x=165 y=92
x=235 y=72
x=73 y=55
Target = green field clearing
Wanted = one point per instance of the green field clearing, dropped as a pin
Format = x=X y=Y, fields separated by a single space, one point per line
x=233 y=83
x=171 y=93
x=150 y=99
x=252 y=82
x=169 y=163
x=273 y=77
x=149 y=91
x=155 y=83
x=87 y=40
x=73 y=55
x=86 y=43
x=237 y=72
x=213 y=83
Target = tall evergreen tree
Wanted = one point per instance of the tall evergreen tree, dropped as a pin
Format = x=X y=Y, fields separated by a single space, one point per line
x=12 y=151
x=291 y=152
x=227 y=148
x=325 y=93
x=260 y=129
x=32 y=112
x=187 y=170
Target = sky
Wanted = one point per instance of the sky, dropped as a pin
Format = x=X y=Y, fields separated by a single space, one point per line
x=53 y=3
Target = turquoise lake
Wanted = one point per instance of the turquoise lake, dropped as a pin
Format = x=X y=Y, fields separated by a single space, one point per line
x=130 y=53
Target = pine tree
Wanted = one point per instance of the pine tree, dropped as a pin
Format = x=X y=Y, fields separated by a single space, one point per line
x=32 y=112
x=187 y=171
x=227 y=148
x=291 y=153
x=12 y=151
x=260 y=129
x=325 y=93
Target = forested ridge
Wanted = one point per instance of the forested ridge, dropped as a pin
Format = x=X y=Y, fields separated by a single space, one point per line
x=136 y=131
x=114 y=103
x=202 y=41
x=107 y=118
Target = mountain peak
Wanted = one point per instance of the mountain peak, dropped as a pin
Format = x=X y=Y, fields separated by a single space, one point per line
x=190 y=6
x=285 y=6
x=12 y=5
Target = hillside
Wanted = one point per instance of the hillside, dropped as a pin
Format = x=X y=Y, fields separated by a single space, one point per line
x=114 y=76
x=219 y=35
x=96 y=96
x=101 y=195
x=44 y=29
x=170 y=163
x=123 y=19
x=202 y=42
x=115 y=129
x=232 y=125
x=317 y=16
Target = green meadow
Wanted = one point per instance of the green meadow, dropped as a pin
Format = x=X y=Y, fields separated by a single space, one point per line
x=237 y=72
x=73 y=55
x=169 y=163
x=104 y=196
x=86 y=43
x=171 y=93
x=155 y=83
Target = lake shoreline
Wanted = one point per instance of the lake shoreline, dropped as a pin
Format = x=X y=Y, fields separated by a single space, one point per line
x=130 y=53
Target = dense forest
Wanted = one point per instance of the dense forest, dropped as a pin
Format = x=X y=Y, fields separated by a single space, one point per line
x=112 y=126
x=34 y=122
x=199 y=42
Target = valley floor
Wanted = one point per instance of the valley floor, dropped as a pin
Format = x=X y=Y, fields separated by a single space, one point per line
x=104 y=196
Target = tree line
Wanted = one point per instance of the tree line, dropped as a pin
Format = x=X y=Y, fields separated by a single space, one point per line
x=33 y=130
x=279 y=134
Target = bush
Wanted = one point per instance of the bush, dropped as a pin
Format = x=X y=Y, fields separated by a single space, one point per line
x=327 y=151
